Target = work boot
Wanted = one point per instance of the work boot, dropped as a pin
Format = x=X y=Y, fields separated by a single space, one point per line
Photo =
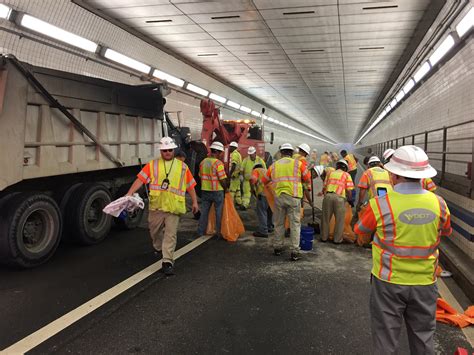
x=243 y=208
x=218 y=236
x=277 y=252
x=295 y=256
x=167 y=269
x=260 y=235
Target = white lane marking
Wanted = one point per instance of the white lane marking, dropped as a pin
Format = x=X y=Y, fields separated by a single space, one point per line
x=449 y=297
x=53 y=328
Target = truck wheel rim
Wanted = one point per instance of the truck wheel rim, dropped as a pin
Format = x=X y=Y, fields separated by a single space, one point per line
x=36 y=232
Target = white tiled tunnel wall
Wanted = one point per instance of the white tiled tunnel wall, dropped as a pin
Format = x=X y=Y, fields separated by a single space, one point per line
x=51 y=54
x=446 y=98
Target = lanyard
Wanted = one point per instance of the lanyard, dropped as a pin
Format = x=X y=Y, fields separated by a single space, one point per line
x=169 y=171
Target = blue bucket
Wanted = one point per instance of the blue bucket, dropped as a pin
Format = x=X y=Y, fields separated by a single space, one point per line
x=306 y=238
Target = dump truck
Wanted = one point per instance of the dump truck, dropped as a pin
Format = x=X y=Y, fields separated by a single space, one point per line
x=70 y=144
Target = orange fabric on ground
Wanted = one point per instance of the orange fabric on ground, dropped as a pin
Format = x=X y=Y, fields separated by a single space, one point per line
x=348 y=234
x=445 y=313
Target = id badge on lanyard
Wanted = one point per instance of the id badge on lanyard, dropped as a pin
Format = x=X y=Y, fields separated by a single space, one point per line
x=166 y=183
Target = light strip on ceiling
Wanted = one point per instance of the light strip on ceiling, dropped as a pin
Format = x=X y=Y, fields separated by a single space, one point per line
x=420 y=73
x=408 y=86
x=37 y=25
x=197 y=89
x=127 y=61
x=466 y=23
x=393 y=103
x=233 y=104
x=168 y=77
x=441 y=51
x=217 y=98
x=400 y=95
x=5 y=12
x=255 y=113
x=245 y=109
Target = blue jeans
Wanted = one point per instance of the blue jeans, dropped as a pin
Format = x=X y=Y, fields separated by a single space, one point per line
x=264 y=217
x=207 y=198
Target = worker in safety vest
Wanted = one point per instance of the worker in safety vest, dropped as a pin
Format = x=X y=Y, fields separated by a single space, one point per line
x=426 y=183
x=264 y=213
x=351 y=162
x=234 y=173
x=213 y=184
x=302 y=156
x=322 y=172
x=287 y=175
x=408 y=223
x=375 y=181
x=337 y=186
x=169 y=179
x=247 y=166
x=325 y=159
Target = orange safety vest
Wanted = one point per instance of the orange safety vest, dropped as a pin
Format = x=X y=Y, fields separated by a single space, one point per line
x=428 y=184
x=378 y=178
x=337 y=182
x=286 y=176
x=405 y=245
x=351 y=162
x=209 y=180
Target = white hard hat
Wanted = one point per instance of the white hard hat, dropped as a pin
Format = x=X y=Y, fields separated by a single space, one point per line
x=234 y=144
x=388 y=153
x=252 y=150
x=412 y=162
x=374 y=159
x=315 y=150
x=217 y=146
x=304 y=147
x=167 y=143
x=286 y=146
x=343 y=161
x=319 y=169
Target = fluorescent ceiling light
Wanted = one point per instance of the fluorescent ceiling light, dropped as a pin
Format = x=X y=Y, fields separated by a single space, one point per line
x=255 y=113
x=197 y=89
x=127 y=61
x=400 y=95
x=408 y=86
x=245 y=109
x=218 y=98
x=420 y=73
x=393 y=103
x=57 y=33
x=270 y=119
x=443 y=48
x=233 y=104
x=388 y=108
x=169 y=78
x=5 y=12
x=466 y=23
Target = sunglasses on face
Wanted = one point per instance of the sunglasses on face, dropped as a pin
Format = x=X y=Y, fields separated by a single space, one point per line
x=167 y=150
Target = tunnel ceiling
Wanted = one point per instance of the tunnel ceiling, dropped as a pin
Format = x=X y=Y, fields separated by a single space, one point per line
x=321 y=62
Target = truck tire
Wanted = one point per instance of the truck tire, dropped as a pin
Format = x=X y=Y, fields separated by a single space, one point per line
x=85 y=221
x=133 y=219
x=30 y=229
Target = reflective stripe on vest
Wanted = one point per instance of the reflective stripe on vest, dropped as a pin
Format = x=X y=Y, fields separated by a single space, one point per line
x=351 y=162
x=284 y=182
x=378 y=178
x=407 y=237
x=209 y=181
x=336 y=182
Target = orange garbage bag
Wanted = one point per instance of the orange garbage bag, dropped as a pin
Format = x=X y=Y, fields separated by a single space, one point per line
x=348 y=234
x=211 y=221
x=469 y=312
x=231 y=226
x=270 y=196
x=445 y=313
x=363 y=239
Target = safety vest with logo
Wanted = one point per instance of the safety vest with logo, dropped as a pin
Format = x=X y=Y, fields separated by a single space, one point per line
x=171 y=199
x=405 y=245
x=286 y=176
x=248 y=164
x=236 y=158
x=256 y=179
x=209 y=173
x=428 y=184
x=351 y=162
x=338 y=181
x=377 y=178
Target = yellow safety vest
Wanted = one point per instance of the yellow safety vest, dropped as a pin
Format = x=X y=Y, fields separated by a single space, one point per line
x=286 y=176
x=248 y=164
x=172 y=199
x=405 y=245
x=378 y=178
x=236 y=158
x=336 y=182
x=259 y=187
x=351 y=162
x=209 y=180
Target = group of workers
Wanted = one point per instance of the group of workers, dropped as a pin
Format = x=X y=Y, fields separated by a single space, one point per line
x=404 y=219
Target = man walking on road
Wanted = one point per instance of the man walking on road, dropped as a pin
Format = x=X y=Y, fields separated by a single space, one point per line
x=247 y=167
x=213 y=184
x=287 y=174
x=234 y=173
x=169 y=179
x=408 y=223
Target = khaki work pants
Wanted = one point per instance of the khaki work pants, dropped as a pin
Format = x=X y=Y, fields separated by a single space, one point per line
x=163 y=228
x=333 y=204
x=291 y=206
